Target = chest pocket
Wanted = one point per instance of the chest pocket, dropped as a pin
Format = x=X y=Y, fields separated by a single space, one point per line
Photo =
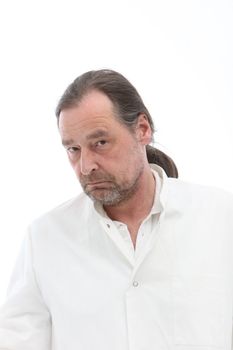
x=198 y=311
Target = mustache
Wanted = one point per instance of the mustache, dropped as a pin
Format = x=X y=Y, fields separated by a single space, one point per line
x=96 y=177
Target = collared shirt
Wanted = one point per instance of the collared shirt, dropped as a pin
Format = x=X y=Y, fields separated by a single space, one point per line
x=77 y=286
x=147 y=227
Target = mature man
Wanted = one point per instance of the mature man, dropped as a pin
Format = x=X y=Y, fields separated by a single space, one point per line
x=140 y=260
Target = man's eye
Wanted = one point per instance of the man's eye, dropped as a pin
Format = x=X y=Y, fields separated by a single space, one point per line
x=101 y=143
x=73 y=149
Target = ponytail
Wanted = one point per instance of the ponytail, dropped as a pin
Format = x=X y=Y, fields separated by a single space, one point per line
x=155 y=156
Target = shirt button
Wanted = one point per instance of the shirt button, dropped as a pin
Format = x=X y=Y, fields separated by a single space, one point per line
x=108 y=225
x=135 y=283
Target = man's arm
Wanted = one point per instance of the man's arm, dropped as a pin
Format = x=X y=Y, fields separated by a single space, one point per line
x=24 y=319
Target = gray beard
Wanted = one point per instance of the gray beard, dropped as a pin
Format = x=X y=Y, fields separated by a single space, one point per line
x=117 y=194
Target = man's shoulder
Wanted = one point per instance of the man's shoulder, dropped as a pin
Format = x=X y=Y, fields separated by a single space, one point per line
x=77 y=207
x=197 y=188
x=187 y=193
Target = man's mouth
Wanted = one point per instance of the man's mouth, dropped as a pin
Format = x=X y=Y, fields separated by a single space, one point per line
x=97 y=184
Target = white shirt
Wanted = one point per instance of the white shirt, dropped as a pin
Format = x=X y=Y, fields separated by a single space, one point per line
x=76 y=285
x=147 y=227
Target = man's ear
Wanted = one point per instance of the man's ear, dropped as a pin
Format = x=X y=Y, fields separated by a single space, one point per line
x=143 y=130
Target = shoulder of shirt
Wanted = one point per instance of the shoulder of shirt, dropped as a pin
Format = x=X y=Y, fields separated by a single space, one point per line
x=199 y=188
x=76 y=206
x=183 y=193
x=182 y=190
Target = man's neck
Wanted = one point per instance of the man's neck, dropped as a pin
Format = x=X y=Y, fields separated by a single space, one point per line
x=133 y=211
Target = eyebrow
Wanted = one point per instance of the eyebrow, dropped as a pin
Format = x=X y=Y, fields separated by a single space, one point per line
x=94 y=135
x=67 y=142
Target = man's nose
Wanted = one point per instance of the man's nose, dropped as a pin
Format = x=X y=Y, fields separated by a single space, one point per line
x=87 y=162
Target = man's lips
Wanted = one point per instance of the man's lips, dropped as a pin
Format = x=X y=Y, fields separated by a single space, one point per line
x=97 y=184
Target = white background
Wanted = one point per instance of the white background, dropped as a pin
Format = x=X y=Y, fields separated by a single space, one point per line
x=178 y=54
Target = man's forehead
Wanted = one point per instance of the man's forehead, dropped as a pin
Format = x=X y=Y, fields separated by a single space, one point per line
x=95 y=100
x=94 y=107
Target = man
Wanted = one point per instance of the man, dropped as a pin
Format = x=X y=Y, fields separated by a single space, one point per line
x=140 y=260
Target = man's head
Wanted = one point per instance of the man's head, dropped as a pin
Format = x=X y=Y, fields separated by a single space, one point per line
x=106 y=130
x=105 y=139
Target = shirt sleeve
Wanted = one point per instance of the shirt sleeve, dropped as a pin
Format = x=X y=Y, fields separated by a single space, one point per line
x=24 y=318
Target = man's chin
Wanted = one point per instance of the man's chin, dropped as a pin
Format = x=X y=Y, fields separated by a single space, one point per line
x=103 y=197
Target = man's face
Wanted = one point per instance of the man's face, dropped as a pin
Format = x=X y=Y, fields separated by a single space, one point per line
x=107 y=158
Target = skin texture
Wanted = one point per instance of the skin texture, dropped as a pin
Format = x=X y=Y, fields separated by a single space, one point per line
x=108 y=159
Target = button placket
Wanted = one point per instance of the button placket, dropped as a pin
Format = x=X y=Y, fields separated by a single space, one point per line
x=113 y=233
